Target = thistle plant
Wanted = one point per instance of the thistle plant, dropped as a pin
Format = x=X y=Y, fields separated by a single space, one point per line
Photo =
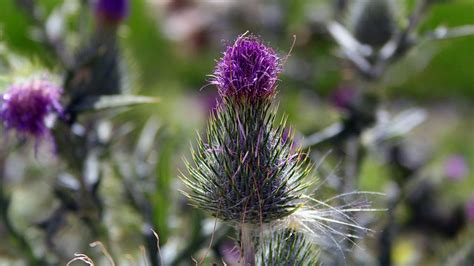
x=245 y=170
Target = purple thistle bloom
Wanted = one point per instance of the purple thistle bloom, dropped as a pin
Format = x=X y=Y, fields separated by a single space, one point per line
x=112 y=11
x=455 y=168
x=247 y=69
x=25 y=107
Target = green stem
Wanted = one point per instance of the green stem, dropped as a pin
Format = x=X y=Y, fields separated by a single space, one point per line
x=246 y=245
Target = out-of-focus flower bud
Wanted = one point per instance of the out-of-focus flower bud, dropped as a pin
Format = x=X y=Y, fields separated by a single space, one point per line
x=25 y=107
x=374 y=22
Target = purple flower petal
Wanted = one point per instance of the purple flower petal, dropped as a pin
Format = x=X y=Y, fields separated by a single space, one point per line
x=247 y=69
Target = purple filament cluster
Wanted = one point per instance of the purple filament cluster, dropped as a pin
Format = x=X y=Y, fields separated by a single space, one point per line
x=248 y=69
x=25 y=106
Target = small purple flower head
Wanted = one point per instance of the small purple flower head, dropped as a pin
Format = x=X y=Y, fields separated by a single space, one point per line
x=25 y=106
x=248 y=69
x=455 y=168
x=112 y=11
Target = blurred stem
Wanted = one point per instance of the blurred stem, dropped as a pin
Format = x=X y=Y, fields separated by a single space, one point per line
x=387 y=234
x=354 y=155
x=246 y=245
x=74 y=150
x=92 y=216
x=142 y=205
x=83 y=18
x=352 y=166
x=16 y=238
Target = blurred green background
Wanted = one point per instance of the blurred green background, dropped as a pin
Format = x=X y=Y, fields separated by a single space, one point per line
x=169 y=47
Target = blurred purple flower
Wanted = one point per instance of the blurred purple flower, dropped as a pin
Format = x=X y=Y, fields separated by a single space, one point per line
x=343 y=97
x=25 y=107
x=230 y=253
x=248 y=69
x=112 y=11
x=455 y=167
x=470 y=209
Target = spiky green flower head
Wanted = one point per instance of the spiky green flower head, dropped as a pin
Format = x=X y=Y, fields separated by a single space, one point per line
x=373 y=21
x=287 y=247
x=245 y=171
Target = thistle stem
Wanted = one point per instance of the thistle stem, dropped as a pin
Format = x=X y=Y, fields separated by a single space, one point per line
x=16 y=237
x=246 y=245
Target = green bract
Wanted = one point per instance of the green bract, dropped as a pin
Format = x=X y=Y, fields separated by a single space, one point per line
x=287 y=247
x=245 y=171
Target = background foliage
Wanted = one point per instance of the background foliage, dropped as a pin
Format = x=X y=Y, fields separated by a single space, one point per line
x=168 y=48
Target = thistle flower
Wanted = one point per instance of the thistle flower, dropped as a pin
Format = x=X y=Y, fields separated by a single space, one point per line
x=26 y=105
x=247 y=69
x=245 y=171
x=111 y=11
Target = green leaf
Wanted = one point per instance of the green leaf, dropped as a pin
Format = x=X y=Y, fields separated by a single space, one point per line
x=95 y=103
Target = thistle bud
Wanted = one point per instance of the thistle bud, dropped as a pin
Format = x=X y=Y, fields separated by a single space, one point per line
x=245 y=171
x=111 y=11
x=248 y=69
x=287 y=247
x=26 y=105
x=373 y=22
